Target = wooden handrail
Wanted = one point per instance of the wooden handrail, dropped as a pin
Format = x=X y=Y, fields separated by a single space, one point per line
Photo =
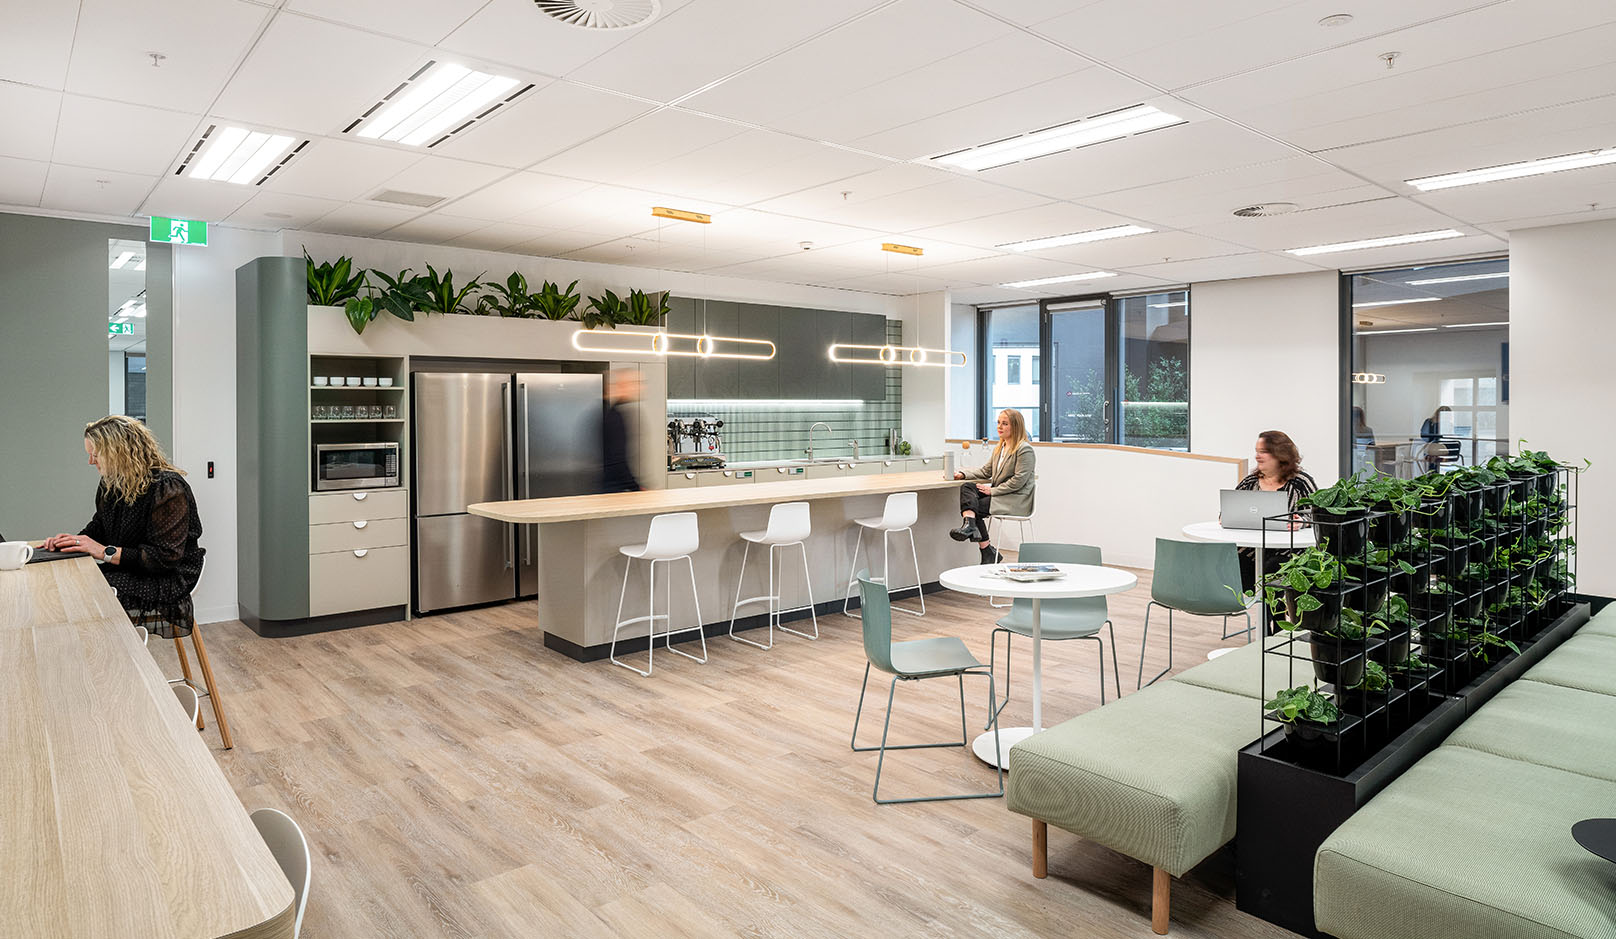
x=1240 y=463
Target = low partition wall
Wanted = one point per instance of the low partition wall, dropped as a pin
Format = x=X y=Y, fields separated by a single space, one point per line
x=1119 y=498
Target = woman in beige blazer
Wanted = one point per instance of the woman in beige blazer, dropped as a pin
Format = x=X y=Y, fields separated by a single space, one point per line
x=1007 y=487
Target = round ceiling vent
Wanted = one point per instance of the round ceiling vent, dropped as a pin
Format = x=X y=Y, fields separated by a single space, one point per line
x=601 y=14
x=1265 y=209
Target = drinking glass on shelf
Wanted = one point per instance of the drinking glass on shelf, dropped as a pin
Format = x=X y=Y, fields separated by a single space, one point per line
x=348 y=412
x=375 y=412
x=390 y=411
x=321 y=412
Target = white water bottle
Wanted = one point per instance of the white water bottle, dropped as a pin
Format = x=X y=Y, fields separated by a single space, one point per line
x=948 y=464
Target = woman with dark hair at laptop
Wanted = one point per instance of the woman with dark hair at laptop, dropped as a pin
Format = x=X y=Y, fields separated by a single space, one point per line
x=145 y=527
x=1279 y=469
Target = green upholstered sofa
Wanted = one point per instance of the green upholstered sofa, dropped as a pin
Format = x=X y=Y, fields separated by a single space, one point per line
x=1475 y=840
x=1151 y=775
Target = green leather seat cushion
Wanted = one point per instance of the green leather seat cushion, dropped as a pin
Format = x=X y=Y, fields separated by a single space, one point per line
x=1550 y=725
x=1151 y=775
x=1586 y=661
x=1468 y=845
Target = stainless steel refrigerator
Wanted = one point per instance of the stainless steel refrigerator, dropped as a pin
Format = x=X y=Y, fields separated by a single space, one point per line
x=486 y=437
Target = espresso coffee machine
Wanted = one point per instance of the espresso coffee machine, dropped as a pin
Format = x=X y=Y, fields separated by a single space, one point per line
x=695 y=443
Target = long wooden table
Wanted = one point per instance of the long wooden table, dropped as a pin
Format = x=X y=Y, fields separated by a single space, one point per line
x=115 y=820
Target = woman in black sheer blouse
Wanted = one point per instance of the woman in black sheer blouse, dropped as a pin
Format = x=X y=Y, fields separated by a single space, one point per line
x=145 y=527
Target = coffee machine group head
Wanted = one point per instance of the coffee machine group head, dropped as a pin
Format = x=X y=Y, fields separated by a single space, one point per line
x=695 y=443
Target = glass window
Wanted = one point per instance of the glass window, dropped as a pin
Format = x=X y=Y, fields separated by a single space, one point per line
x=1080 y=406
x=1008 y=333
x=1035 y=373
x=1428 y=363
x=1154 y=354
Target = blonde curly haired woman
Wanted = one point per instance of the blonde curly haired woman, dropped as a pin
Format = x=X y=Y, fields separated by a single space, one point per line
x=145 y=526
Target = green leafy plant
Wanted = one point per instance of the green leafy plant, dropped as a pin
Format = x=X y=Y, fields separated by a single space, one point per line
x=642 y=309
x=1344 y=495
x=401 y=295
x=1375 y=678
x=330 y=284
x=1413 y=664
x=360 y=311
x=1303 y=704
x=1489 y=643
x=606 y=310
x=554 y=303
x=1301 y=574
x=442 y=297
x=509 y=299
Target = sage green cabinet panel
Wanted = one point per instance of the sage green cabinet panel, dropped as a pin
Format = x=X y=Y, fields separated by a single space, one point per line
x=801 y=356
x=681 y=368
x=717 y=378
x=759 y=378
x=835 y=379
x=869 y=381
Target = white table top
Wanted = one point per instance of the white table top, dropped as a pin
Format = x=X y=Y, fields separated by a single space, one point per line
x=1081 y=580
x=1249 y=537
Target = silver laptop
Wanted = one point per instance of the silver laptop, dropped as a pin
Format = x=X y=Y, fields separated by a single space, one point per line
x=1246 y=508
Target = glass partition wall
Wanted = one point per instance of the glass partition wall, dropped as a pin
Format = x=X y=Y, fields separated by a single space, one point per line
x=1099 y=369
x=1429 y=382
x=126 y=327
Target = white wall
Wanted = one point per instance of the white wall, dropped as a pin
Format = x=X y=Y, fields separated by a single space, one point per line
x=1119 y=499
x=1265 y=355
x=925 y=390
x=1561 y=337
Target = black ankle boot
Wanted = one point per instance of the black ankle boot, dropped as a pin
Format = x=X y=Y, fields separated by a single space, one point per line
x=989 y=555
x=966 y=531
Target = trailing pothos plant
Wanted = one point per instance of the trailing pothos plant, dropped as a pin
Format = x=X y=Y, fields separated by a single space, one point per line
x=1308 y=570
x=1303 y=704
x=1344 y=495
x=1375 y=678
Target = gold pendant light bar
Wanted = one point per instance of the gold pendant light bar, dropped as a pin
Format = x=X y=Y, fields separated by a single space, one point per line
x=681 y=215
x=853 y=354
x=902 y=249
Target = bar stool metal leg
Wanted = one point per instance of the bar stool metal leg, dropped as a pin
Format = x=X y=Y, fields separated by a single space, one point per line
x=808 y=586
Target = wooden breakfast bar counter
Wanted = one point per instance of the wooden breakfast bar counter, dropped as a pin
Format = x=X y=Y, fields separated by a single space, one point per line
x=581 y=570
x=115 y=820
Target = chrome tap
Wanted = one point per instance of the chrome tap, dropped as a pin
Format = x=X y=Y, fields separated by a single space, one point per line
x=854 y=444
x=811 y=437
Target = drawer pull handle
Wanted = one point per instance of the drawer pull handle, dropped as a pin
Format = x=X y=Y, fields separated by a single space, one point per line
x=361 y=552
x=360 y=524
x=690 y=475
x=360 y=496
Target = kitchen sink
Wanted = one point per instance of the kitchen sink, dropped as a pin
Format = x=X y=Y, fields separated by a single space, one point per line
x=824 y=459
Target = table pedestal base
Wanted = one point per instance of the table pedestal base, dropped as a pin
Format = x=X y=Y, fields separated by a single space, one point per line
x=982 y=746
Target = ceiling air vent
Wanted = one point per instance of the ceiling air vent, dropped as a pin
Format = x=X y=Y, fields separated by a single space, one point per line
x=418 y=199
x=1265 y=209
x=601 y=14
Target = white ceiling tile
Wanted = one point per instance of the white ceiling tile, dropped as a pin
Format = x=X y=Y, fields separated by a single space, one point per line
x=901 y=285
x=867 y=255
x=201 y=39
x=1197 y=200
x=1114 y=30
x=1470 y=246
x=340 y=169
x=542 y=123
x=314 y=76
x=1227 y=267
x=182 y=197
x=827 y=202
x=995 y=294
x=143 y=140
x=37 y=43
x=1005 y=268
x=434 y=229
x=1137 y=250
x=554 y=244
x=278 y=210
x=515 y=32
x=753 y=167
x=702 y=42
x=1041 y=221
x=798 y=268
x=515 y=197
x=76 y=189
x=423 y=21
x=1538 y=221
x=29 y=116
x=497 y=237
x=895 y=39
x=1376 y=219
x=1059 y=100
x=1029 y=12
x=22 y=182
x=1555 y=194
x=441 y=176
x=762 y=234
x=362 y=220
x=648 y=140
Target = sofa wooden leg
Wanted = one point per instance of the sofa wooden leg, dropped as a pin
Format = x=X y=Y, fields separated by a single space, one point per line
x=1040 y=848
x=1160 y=901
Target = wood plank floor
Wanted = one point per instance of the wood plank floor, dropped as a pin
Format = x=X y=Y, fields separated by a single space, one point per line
x=457 y=779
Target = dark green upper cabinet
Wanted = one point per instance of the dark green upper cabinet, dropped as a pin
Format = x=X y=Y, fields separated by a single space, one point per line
x=681 y=369
x=715 y=377
x=800 y=356
x=835 y=378
x=869 y=381
x=758 y=379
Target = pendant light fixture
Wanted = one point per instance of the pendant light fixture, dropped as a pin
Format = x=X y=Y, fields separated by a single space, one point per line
x=849 y=353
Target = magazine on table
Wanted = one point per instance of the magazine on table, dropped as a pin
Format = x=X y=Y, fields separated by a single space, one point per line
x=1027 y=573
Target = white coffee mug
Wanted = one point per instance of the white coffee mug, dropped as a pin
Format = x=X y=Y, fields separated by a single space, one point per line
x=321 y=380
x=14 y=554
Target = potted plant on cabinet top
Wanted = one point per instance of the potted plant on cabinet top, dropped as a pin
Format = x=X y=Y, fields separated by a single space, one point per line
x=1306 y=714
x=606 y=310
x=554 y=303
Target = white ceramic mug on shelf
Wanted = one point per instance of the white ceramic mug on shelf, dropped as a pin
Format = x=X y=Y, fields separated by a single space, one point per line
x=370 y=383
x=321 y=380
x=14 y=554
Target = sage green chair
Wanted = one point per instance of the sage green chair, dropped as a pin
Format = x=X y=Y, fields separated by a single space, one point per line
x=917 y=659
x=1059 y=620
x=1197 y=577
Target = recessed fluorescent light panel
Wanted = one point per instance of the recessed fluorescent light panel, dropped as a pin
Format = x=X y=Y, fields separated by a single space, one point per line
x=1492 y=174
x=434 y=104
x=1361 y=306
x=1472 y=325
x=1097 y=129
x=1062 y=279
x=1393 y=332
x=238 y=155
x=1388 y=242
x=1168 y=306
x=123 y=258
x=1456 y=280
x=1077 y=238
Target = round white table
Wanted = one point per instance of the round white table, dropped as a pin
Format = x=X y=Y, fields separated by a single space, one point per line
x=1251 y=537
x=1078 y=580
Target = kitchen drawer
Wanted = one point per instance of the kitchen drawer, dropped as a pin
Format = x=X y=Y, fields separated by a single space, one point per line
x=364 y=533
x=685 y=480
x=724 y=478
x=865 y=469
x=779 y=474
x=361 y=579
x=329 y=507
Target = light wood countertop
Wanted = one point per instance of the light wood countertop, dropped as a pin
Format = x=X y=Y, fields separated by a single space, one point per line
x=657 y=501
x=115 y=820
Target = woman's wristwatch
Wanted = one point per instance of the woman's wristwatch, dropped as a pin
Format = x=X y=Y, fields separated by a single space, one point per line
x=108 y=552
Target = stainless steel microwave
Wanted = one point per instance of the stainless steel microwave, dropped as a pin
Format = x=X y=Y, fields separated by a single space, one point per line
x=355 y=465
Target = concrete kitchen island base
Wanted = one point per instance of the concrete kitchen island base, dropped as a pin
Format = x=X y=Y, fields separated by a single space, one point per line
x=581 y=569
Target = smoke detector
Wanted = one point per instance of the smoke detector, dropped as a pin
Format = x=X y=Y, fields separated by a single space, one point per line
x=1264 y=209
x=601 y=14
x=1336 y=19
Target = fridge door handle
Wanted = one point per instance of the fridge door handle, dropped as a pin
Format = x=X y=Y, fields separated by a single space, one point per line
x=527 y=477
x=505 y=461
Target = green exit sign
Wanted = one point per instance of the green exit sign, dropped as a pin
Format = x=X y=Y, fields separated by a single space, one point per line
x=179 y=231
x=120 y=329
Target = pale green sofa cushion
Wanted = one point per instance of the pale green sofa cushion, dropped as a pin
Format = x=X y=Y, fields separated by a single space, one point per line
x=1586 y=661
x=1551 y=725
x=1243 y=671
x=1603 y=624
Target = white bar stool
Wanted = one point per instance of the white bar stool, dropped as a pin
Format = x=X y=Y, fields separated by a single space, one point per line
x=789 y=526
x=995 y=532
x=901 y=511
x=672 y=538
